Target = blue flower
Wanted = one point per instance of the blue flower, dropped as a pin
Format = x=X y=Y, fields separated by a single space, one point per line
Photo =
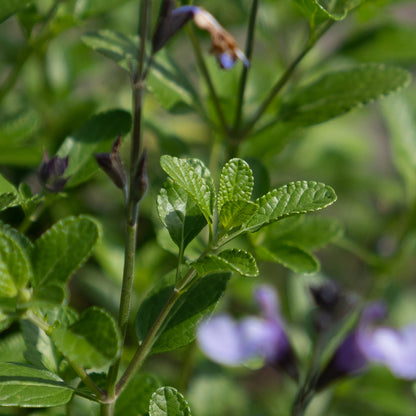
x=231 y=342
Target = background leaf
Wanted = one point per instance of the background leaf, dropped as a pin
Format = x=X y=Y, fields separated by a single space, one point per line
x=234 y=260
x=198 y=302
x=15 y=266
x=10 y=7
x=26 y=386
x=195 y=179
x=63 y=249
x=167 y=401
x=179 y=214
x=93 y=341
x=338 y=92
x=295 y=198
x=96 y=135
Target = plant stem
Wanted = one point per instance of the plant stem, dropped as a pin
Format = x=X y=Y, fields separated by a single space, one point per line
x=281 y=82
x=244 y=73
x=147 y=344
x=138 y=86
x=208 y=80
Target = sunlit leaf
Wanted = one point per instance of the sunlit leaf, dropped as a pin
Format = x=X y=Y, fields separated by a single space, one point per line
x=167 y=401
x=195 y=179
x=179 y=214
x=234 y=260
x=294 y=198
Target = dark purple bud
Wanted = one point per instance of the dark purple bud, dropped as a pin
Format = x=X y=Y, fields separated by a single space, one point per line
x=51 y=171
x=112 y=164
x=141 y=180
x=170 y=22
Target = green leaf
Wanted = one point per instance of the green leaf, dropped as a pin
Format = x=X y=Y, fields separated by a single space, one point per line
x=11 y=7
x=171 y=87
x=92 y=342
x=114 y=45
x=294 y=198
x=135 y=398
x=61 y=250
x=26 y=386
x=15 y=266
x=93 y=7
x=236 y=182
x=195 y=179
x=290 y=256
x=179 y=214
x=234 y=260
x=96 y=135
x=338 y=92
x=235 y=213
x=312 y=12
x=167 y=401
x=199 y=301
x=40 y=351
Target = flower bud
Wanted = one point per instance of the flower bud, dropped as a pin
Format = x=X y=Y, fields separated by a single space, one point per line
x=51 y=171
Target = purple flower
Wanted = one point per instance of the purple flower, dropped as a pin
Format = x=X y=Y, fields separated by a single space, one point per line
x=231 y=342
x=395 y=349
x=171 y=20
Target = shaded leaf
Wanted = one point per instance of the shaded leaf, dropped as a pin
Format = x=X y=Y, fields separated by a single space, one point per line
x=135 y=398
x=15 y=266
x=195 y=179
x=19 y=126
x=290 y=256
x=199 y=301
x=26 y=386
x=179 y=214
x=236 y=182
x=167 y=401
x=116 y=46
x=234 y=260
x=294 y=198
x=235 y=213
x=12 y=347
x=63 y=249
x=95 y=136
x=170 y=85
x=93 y=341
x=338 y=92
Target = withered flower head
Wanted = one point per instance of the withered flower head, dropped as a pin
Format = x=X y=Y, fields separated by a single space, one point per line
x=171 y=20
x=112 y=164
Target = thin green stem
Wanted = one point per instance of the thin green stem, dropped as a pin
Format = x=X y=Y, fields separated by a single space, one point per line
x=285 y=77
x=205 y=73
x=138 y=87
x=244 y=73
x=144 y=349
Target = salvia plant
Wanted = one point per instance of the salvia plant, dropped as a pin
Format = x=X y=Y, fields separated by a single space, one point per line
x=181 y=176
